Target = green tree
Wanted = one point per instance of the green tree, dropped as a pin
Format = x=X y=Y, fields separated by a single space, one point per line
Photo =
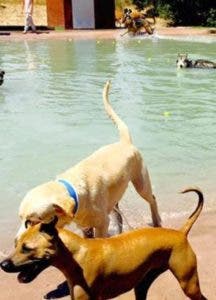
x=183 y=12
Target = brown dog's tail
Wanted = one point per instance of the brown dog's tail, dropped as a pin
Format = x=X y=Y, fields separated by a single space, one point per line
x=122 y=127
x=191 y=220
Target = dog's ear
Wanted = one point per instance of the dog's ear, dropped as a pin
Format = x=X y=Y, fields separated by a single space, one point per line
x=49 y=228
x=125 y=10
x=59 y=211
x=129 y=11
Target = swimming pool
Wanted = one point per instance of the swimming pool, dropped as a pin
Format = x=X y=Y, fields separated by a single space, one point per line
x=52 y=115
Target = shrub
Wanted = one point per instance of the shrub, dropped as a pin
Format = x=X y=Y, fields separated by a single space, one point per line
x=165 y=12
x=120 y=4
x=211 y=18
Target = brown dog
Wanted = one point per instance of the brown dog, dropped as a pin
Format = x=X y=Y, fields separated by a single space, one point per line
x=88 y=192
x=99 y=269
x=135 y=25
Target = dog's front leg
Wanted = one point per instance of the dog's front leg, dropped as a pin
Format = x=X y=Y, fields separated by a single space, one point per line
x=101 y=230
x=142 y=288
x=118 y=218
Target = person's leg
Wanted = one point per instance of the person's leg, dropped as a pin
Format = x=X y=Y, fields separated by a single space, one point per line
x=31 y=23
x=26 y=27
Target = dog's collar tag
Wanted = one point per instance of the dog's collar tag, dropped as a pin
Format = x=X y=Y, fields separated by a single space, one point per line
x=72 y=192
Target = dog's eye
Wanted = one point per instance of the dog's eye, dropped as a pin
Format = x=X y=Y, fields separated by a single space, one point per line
x=27 y=223
x=26 y=249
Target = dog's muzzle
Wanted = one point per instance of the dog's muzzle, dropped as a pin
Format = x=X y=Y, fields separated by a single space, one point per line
x=27 y=272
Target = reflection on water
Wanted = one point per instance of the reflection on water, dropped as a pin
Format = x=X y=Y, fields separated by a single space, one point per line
x=52 y=115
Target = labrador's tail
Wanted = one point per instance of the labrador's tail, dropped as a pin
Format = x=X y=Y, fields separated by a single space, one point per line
x=122 y=127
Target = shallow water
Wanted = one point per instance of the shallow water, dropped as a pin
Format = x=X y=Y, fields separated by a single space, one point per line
x=52 y=116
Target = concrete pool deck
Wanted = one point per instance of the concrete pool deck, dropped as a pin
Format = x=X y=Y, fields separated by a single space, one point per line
x=6 y=35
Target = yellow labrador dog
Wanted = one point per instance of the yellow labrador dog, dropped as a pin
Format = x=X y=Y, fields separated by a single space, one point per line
x=88 y=192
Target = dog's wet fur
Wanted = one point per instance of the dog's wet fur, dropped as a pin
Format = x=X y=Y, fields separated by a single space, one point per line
x=135 y=25
x=103 y=268
x=184 y=62
x=2 y=73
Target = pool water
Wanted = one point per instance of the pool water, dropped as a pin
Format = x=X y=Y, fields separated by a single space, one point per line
x=52 y=115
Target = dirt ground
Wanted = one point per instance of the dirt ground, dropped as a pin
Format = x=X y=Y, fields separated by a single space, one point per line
x=11 y=13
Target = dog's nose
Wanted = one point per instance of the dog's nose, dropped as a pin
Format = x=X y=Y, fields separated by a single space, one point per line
x=7 y=265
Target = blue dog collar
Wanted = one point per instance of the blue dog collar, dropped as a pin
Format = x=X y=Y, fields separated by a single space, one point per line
x=72 y=192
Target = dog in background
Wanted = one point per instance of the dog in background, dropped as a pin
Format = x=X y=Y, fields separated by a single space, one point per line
x=88 y=192
x=183 y=62
x=2 y=73
x=99 y=269
x=134 y=25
